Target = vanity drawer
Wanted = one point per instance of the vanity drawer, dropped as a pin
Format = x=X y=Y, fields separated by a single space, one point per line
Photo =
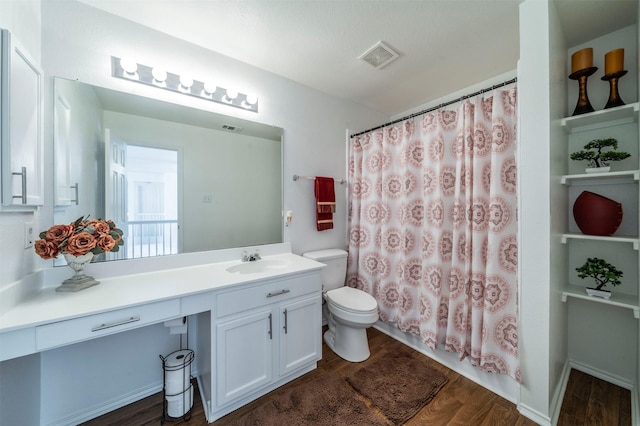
x=92 y=326
x=264 y=294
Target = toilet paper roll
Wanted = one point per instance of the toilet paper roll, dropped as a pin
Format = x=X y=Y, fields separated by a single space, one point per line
x=178 y=322
x=177 y=326
x=178 y=330
x=177 y=371
x=178 y=405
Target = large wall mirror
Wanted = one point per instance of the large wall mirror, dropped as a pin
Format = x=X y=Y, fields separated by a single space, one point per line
x=175 y=179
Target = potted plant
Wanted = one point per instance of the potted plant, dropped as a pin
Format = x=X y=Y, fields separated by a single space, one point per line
x=597 y=158
x=603 y=272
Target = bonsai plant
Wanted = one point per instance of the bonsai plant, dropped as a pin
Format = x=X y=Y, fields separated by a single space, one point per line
x=594 y=154
x=603 y=272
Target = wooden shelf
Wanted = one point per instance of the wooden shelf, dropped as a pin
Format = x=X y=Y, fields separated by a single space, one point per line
x=632 y=240
x=603 y=118
x=632 y=174
x=617 y=299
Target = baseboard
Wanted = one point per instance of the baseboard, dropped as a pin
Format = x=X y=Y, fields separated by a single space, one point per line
x=534 y=415
x=556 y=402
x=206 y=402
x=558 y=396
x=107 y=406
x=601 y=374
x=635 y=414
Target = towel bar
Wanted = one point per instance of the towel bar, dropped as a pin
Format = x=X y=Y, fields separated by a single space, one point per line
x=296 y=177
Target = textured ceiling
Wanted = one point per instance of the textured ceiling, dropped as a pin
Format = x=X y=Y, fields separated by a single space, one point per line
x=444 y=45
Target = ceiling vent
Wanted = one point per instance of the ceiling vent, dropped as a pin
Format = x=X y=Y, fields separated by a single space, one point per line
x=231 y=128
x=379 y=55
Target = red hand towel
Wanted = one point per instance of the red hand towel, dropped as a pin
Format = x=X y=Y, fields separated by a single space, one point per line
x=325 y=202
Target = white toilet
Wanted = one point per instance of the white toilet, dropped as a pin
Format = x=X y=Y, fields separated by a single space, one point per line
x=350 y=311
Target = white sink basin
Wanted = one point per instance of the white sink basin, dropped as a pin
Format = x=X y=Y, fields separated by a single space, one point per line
x=258 y=266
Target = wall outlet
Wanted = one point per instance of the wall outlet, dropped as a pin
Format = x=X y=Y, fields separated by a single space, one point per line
x=207 y=198
x=29 y=235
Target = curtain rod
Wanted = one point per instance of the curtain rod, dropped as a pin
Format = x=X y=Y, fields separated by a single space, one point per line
x=461 y=98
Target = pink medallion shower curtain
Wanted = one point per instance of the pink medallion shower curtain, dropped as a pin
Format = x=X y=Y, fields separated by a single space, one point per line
x=432 y=228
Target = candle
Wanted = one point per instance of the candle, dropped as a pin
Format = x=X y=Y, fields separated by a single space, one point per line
x=582 y=59
x=613 y=61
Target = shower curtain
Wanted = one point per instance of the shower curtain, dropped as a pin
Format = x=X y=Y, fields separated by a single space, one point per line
x=432 y=227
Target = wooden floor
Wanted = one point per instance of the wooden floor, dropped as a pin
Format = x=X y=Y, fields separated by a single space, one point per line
x=587 y=401
x=591 y=401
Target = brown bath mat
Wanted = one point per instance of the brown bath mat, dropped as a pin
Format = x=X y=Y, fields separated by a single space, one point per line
x=326 y=400
x=398 y=384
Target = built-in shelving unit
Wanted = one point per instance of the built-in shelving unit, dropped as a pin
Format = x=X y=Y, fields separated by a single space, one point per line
x=602 y=337
x=618 y=239
x=586 y=123
x=603 y=118
x=629 y=174
x=620 y=300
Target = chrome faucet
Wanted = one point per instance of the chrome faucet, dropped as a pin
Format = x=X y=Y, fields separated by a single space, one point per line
x=246 y=257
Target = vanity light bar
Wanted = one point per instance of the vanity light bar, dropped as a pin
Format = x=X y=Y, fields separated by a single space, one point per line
x=165 y=80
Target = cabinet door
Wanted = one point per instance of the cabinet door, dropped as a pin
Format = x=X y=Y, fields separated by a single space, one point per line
x=300 y=333
x=21 y=128
x=243 y=355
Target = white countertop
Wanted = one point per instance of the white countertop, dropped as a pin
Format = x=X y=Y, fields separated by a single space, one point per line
x=115 y=292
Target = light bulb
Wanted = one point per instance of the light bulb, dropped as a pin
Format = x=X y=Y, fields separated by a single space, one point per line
x=252 y=99
x=186 y=81
x=159 y=74
x=232 y=94
x=209 y=87
x=129 y=65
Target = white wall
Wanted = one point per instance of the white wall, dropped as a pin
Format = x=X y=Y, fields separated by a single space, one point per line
x=534 y=210
x=78 y=42
x=23 y=19
x=557 y=108
x=117 y=367
x=19 y=405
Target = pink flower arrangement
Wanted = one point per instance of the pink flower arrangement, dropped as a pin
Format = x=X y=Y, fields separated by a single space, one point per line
x=80 y=237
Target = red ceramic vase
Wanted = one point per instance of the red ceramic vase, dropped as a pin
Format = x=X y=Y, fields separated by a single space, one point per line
x=597 y=215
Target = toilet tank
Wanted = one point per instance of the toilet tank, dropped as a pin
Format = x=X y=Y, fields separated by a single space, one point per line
x=334 y=274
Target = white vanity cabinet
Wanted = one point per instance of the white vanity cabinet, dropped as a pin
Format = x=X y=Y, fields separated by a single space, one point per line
x=252 y=330
x=21 y=135
x=244 y=354
x=265 y=335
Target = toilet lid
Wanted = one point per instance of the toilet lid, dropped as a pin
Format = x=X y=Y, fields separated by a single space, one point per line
x=352 y=299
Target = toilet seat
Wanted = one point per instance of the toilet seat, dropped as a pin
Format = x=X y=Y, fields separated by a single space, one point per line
x=352 y=300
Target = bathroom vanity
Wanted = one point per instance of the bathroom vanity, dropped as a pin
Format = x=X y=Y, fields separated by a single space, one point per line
x=257 y=324
x=263 y=335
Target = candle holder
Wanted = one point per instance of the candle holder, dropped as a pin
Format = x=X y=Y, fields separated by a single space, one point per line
x=583 y=106
x=614 y=97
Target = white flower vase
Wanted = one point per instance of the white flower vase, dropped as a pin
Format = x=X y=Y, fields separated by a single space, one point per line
x=79 y=280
